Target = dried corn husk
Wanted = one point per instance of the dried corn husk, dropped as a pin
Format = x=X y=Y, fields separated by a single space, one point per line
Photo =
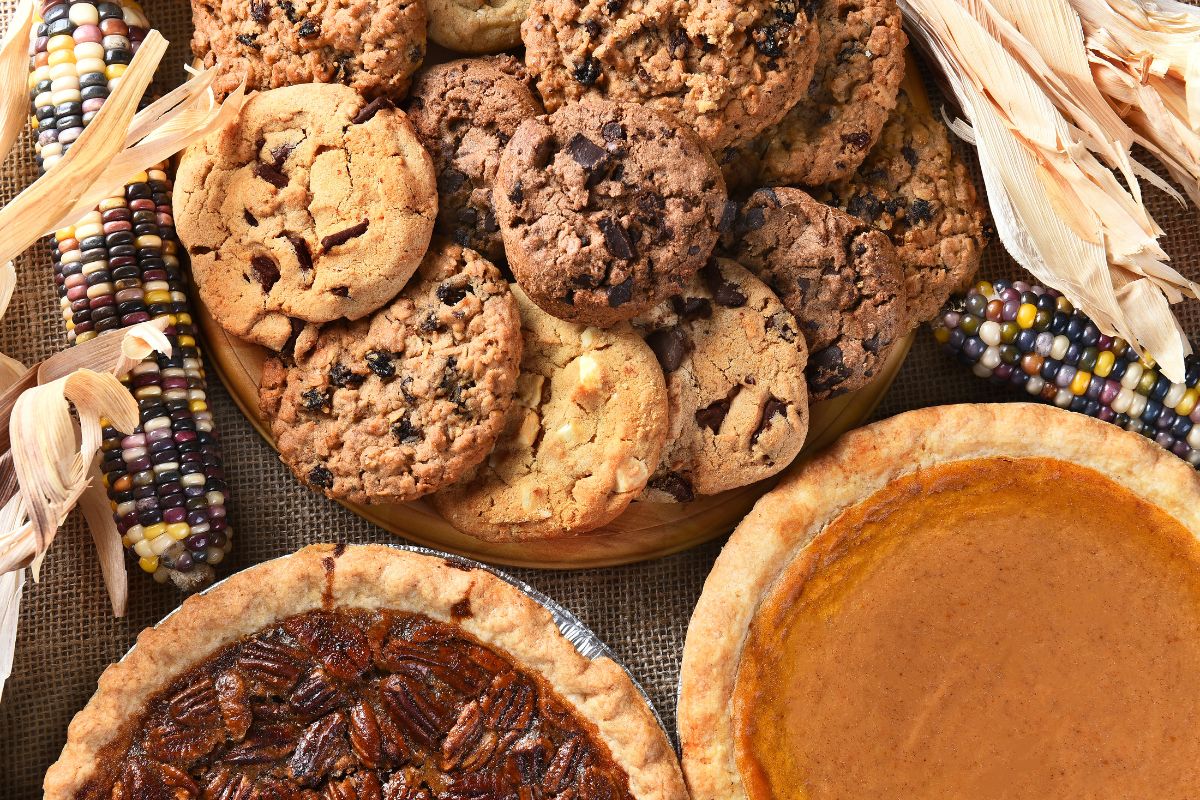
x=14 y=70
x=1048 y=139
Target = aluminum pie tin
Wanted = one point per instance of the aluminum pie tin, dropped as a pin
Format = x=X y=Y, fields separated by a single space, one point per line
x=582 y=638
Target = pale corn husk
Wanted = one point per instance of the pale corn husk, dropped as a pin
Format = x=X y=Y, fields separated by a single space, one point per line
x=14 y=70
x=1048 y=141
x=12 y=584
x=117 y=144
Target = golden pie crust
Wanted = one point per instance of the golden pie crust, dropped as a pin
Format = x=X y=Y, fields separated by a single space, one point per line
x=782 y=539
x=371 y=578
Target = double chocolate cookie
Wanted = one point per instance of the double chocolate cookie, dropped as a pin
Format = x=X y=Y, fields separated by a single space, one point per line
x=839 y=276
x=373 y=46
x=391 y=408
x=728 y=68
x=581 y=439
x=913 y=187
x=465 y=112
x=313 y=205
x=734 y=360
x=606 y=209
x=860 y=65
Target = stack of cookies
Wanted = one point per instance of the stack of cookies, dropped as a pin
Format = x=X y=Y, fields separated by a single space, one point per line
x=537 y=290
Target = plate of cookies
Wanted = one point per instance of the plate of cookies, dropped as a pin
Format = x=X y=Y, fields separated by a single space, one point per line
x=568 y=284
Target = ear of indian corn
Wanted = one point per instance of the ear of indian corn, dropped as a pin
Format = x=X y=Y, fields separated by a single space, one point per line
x=118 y=266
x=1033 y=338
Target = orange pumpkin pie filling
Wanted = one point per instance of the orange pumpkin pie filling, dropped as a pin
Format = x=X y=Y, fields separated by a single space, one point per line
x=983 y=629
x=964 y=602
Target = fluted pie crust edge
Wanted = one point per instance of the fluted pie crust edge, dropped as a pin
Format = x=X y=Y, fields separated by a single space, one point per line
x=860 y=464
x=374 y=577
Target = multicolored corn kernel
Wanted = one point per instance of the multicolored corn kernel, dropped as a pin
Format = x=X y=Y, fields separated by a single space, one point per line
x=119 y=266
x=1056 y=354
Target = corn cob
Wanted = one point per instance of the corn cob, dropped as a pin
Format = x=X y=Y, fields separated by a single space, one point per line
x=116 y=267
x=1033 y=338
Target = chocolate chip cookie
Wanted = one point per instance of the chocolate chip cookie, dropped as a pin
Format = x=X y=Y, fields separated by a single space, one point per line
x=859 y=69
x=913 y=187
x=606 y=209
x=734 y=360
x=728 y=68
x=313 y=205
x=581 y=440
x=477 y=26
x=465 y=112
x=838 y=275
x=373 y=46
x=391 y=408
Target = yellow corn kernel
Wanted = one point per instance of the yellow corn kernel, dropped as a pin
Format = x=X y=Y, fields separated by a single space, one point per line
x=1026 y=315
x=1188 y=404
x=179 y=531
x=196 y=406
x=1079 y=384
x=157 y=297
x=152 y=532
x=148 y=564
x=1104 y=363
x=115 y=71
x=942 y=335
x=187 y=341
x=161 y=545
x=61 y=57
x=984 y=288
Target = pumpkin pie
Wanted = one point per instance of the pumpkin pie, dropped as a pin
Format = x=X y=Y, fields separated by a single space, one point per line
x=989 y=601
x=363 y=673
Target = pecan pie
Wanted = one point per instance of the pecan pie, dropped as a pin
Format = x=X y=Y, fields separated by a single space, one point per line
x=363 y=673
x=961 y=602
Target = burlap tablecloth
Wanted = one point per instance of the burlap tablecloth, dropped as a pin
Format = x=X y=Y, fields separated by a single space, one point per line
x=68 y=636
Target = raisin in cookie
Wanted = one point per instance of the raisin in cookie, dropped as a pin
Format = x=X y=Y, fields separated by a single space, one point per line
x=580 y=441
x=606 y=209
x=391 y=408
x=465 y=112
x=313 y=205
x=373 y=46
x=728 y=68
x=859 y=70
x=734 y=360
x=913 y=187
x=838 y=275
x=477 y=26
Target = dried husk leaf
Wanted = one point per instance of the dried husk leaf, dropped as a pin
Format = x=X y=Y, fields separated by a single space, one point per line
x=12 y=584
x=97 y=513
x=1060 y=211
x=14 y=75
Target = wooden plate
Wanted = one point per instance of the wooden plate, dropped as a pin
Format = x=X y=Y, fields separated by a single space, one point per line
x=645 y=531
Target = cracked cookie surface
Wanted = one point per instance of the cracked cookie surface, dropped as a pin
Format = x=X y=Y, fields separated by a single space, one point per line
x=313 y=205
x=860 y=65
x=914 y=187
x=465 y=112
x=581 y=439
x=839 y=276
x=606 y=209
x=728 y=68
x=477 y=26
x=734 y=361
x=373 y=46
x=393 y=407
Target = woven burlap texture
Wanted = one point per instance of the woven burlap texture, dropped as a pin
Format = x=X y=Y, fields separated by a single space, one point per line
x=68 y=636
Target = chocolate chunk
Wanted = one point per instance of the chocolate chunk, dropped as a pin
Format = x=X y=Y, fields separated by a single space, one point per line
x=517 y=195
x=724 y=293
x=592 y=27
x=247 y=40
x=451 y=294
x=588 y=71
x=380 y=362
x=613 y=132
x=343 y=377
x=827 y=368
x=712 y=416
x=859 y=140
x=289 y=11
x=773 y=408
x=752 y=219
x=671 y=347
x=910 y=155
x=340 y=291
x=674 y=484
x=309 y=28
x=616 y=241
x=586 y=153
x=271 y=175
x=621 y=294
x=431 y=323
x=450 y=181
x=266 y=271
x=728 y=218
x=320 y=476
x=769 y=39
x=866 y=207
x=613 y=6
x=405 y=432
x=200 y=250
x=251 y=220
x=341 y=237
x=678 y=44
x=691 y=308
x=920 y=212
x=302 y=252
x=367 y=112
x=260 y=12
x=279 y=155
x=316 y=399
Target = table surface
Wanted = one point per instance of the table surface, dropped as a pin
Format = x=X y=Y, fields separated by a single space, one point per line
x=68 y=636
